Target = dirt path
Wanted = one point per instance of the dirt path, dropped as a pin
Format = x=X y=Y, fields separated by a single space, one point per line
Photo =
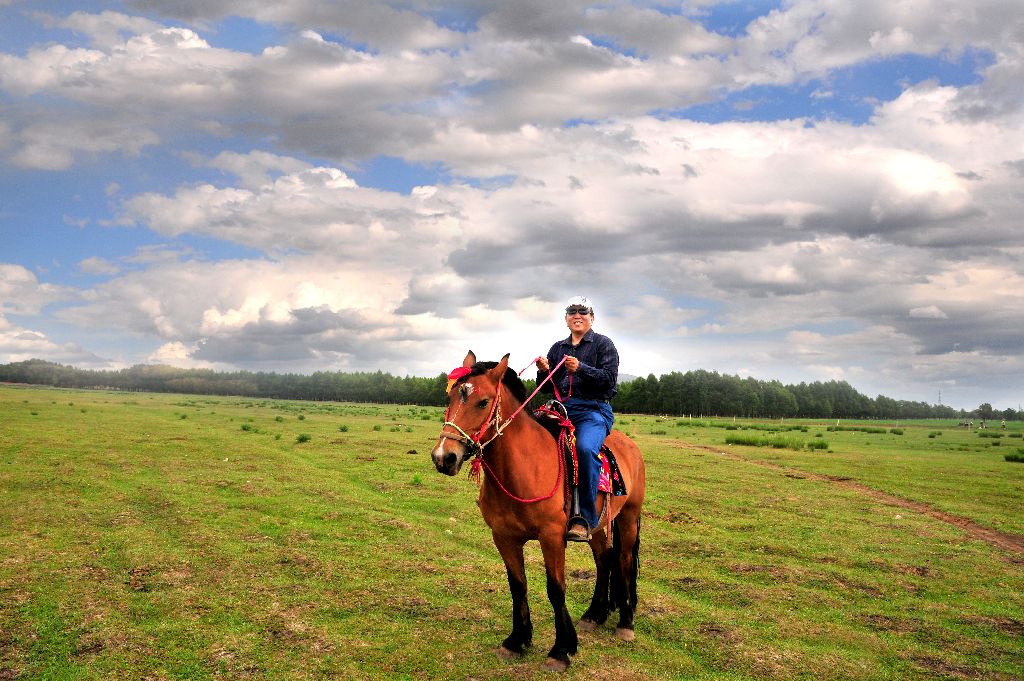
x=1013 y=543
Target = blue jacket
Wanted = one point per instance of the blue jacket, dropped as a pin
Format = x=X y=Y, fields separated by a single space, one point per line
x=598 y=375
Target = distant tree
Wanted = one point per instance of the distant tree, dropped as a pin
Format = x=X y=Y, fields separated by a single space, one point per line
x=779 y=402
x=672 y=393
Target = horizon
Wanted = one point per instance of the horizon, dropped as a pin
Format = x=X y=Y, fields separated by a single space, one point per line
x=623 y=378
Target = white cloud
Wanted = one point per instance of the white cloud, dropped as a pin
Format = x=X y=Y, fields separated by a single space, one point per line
x=53 y=145
x=21 y=292
x=177 y=354
x=171 y=78
x=250 y=310
x=313 y=210
x=42 y=69
x=19 y=344
x=98 y=265
x=256 y=168
x=809 y=38
x=928 y=312
x=106 y=29
x=380 y=25
x=653 y=33
x=329 y=99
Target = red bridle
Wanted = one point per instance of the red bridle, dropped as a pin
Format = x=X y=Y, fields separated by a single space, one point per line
x=475 y=445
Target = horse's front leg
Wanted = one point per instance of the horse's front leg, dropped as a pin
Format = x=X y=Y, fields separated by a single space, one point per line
x=522 y=628
x=553 y=546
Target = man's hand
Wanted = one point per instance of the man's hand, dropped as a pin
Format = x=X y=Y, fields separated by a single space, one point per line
x=571 y=364
x=542 y=364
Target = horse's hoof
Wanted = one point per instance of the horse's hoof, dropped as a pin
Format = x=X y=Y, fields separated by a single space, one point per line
x=586 y=625
x=624 y=634
x=553 y=664
x=506 y=654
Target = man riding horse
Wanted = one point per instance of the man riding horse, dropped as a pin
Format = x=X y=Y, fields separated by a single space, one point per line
x=587 y=379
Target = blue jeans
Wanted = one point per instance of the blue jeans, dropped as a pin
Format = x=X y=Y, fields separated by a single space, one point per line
x=593 y=421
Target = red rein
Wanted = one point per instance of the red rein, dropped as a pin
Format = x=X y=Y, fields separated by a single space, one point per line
x=479 y=461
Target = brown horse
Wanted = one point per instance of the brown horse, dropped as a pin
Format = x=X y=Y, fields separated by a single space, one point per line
x=523 y=497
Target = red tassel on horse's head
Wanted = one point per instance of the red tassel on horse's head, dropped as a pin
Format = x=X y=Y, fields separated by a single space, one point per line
x=455 y=376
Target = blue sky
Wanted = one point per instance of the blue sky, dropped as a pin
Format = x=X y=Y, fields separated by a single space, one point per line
x=849 y=94
x=801 y=190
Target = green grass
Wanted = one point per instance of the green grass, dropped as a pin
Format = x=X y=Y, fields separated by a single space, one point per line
x=862 y=429
x=957 y=473
x=775 y=442
x=137 y=544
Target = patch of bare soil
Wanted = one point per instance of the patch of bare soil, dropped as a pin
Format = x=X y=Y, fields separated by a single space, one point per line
x=718 y=631
x=1013 y=543
x=1005 y=624
x=889 y=624
x=949 y=670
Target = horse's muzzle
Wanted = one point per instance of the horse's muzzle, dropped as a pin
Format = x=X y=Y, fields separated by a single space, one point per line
x=448 y=457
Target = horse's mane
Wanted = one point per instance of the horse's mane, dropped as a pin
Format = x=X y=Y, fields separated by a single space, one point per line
x=510 y=379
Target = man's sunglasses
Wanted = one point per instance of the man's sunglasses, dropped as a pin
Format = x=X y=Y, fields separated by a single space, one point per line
x=578 y=309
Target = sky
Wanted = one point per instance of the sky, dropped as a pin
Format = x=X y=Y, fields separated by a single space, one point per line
x=807 y=190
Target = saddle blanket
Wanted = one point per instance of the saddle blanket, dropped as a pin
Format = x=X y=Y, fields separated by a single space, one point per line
x=553 y=417
x=611 y=479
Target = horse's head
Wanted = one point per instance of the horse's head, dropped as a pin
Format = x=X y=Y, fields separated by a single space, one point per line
x=473 y=401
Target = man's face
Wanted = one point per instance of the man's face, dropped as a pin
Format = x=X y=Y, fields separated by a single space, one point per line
x=579 y=321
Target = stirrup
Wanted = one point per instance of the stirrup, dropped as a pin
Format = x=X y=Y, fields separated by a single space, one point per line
x=577 y=529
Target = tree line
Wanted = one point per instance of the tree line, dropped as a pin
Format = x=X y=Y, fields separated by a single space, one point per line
x=377 y=386
x=697 y=393
x=708 y=393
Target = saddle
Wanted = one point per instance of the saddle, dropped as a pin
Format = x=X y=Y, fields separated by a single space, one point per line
x=552 y=415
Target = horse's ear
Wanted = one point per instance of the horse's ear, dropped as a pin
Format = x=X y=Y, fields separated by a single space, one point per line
x=502 y=367
x=470 y=359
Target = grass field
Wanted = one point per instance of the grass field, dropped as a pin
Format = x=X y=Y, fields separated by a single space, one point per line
x=179 y=537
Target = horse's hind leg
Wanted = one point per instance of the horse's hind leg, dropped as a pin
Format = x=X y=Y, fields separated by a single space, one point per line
x=626 y=567
x=597 y=613
x=522 y=628
x=553 y=547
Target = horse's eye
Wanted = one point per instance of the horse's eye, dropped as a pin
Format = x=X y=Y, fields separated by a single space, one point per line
x=482 y=404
